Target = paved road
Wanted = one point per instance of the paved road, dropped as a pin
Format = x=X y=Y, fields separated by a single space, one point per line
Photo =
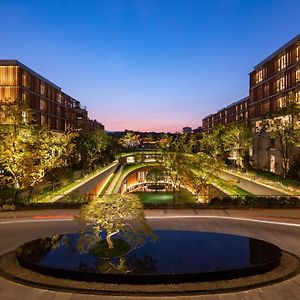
x=250 y=185
x=13 y=234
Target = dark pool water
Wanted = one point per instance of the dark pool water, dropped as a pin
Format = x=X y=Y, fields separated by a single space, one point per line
x=174 y=252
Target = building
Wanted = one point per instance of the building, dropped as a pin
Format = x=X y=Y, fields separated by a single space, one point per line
x=50 y=105
x=95 y=125
x=198 y=130
x=270 y=83
x=187 y=130
x=237 y=112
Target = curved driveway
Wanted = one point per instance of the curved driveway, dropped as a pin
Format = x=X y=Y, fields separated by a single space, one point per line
x=14 y=232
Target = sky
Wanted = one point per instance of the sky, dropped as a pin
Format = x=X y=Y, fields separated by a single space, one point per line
x=147 y=65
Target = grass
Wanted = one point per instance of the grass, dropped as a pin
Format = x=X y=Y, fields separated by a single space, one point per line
x=228 y=188
x=124 y=154
x=275 y=177
x=128 y=168
x=166 y=197
x=49 y=195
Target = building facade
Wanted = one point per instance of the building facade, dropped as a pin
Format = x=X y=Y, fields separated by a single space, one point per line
x=95 y=125
x=50 y=105
x=271 y=82
x=237 y=112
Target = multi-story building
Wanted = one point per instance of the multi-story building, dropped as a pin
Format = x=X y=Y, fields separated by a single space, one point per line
x=271 y=81
x=95 y=125
x=273 y=78
x=50 y=105
x=237 y=112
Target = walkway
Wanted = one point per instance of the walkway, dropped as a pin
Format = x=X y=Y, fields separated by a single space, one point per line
x=281 y=227
x=111 y=188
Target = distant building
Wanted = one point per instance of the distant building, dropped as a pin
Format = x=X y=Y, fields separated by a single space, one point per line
x=198 y=129
x=187 y=129
x=237 y=112
x=50 y=105
x=95 y=125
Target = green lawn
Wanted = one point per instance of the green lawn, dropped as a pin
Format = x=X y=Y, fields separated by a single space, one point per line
x=165 y=197
x=277 y=178
x=228 y=188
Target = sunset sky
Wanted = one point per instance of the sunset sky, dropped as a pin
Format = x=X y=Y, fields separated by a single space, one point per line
x=147 y=65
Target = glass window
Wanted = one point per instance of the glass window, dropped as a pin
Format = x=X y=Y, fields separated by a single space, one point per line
x=298 y=75
x=43 y=89
x=25 y=80
x=281 y=102
x=281 y=84
x=43 y=105
x=259 y=76
x=298 y=53
x=282 y=62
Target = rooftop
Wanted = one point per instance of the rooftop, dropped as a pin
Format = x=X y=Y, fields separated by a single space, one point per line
x=278 y=51
x=14 y=62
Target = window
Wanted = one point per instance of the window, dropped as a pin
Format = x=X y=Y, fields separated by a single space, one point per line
x=43 y=105
x=297 y=96
x=42 y=89
x=298 y=75
x=282 y=62
x=281 y=102
x=298 y=53
x=281 y=84
x=43 y=120
x=259 y=76
x=272 y=163
x=272 y=143
x=24 y=117
x=25 y=80
x=59 y=98
x=266 y=90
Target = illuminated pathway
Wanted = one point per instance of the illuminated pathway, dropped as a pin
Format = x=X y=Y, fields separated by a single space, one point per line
x=281 y=227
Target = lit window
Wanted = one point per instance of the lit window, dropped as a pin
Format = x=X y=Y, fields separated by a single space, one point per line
x=43 y=89
x=25 y=81
x=281 y=62
x=298 y=75
x=24 y=96
x=298 y=53
x=297 y=96
x=281 y=84
x=259 y=76
x=59 y=98
x=281 y=102
x=24 y=117
x=43 y=120
x=42 y=105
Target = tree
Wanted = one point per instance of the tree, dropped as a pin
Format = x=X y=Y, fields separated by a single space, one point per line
x=212 y=143
x=237 y=139
x=91 y=146
x=28 y=151
x=283 y=125
x=199 y=172
x=130 y=140
x=155 y=175
x=116 y=213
